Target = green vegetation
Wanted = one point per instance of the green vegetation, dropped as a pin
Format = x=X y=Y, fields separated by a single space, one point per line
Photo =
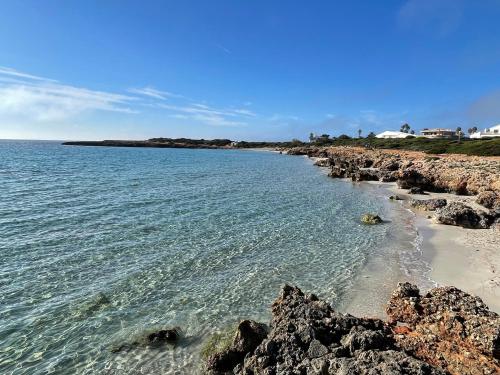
x=194 y=142
x=218 y=342
x=480 y=147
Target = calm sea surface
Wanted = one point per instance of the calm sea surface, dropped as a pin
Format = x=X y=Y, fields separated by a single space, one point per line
x=100 y=245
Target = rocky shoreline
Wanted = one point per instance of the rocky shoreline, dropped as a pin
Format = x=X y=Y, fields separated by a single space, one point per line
x=420 y=173
x=444 y=331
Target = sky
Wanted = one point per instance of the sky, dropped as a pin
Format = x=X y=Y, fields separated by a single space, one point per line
x=245 y=70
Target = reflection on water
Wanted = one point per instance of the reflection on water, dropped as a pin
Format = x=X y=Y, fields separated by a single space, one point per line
x=100 y=245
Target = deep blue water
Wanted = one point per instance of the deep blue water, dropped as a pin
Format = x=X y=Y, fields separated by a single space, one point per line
x=99 y=245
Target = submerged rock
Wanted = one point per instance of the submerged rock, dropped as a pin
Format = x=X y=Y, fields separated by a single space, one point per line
x=371 y=219
x=459 y=214
x=163 y=336
x=428 y=204
x=395 y=198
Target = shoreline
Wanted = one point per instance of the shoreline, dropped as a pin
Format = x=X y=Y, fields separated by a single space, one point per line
x=465 y=258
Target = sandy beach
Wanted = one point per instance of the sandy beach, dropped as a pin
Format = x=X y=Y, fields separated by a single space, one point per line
x=466 y=258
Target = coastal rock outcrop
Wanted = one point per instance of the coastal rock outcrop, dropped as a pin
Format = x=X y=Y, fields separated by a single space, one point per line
x=459 y=174
x=445 y=331
x=459 y=214
x=308 y=337
x=428 y=204
x=447 y=328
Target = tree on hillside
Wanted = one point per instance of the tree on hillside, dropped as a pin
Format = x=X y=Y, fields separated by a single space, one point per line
x=359 y=133
x=459 y=133
x=312 y=137
x=344 y=136
x=472 y=130
x=371 y=135
x=412 y=132
x=405 y=128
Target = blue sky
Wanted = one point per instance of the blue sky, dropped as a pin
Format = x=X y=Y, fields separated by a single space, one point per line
x=254 y=70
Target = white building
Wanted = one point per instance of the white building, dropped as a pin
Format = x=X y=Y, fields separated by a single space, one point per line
x=391 y=134
x=494 y=131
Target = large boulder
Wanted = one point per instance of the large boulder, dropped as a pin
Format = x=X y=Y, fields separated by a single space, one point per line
x=459 y=214
x=428 y=204
x=446 y=327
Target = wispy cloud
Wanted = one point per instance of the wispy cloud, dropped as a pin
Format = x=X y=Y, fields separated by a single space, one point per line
x=4 y=71
x=25 y=96
x=436 y=16
x=222 y=48
x=43 y=99
x=154 y=93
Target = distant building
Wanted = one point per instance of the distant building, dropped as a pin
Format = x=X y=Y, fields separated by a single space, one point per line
x=438 y=133
x=391 y=134
x=494 y=131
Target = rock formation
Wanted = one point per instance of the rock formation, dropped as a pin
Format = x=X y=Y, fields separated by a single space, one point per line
x=459 y=174
x=447 y=328
x=445 y=331
x=428 y=204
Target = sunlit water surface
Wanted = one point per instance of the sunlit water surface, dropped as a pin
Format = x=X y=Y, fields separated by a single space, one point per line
x=100 y=245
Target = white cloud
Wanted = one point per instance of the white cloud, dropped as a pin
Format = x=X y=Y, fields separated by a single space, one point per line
x=41 y=99
x=15 y=73
x=153 y=93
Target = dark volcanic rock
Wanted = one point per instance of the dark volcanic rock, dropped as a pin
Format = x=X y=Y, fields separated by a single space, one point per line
x=459 y=214
x=416 y=190
x=163 y=336
x=447 y=328
x=308 y=337
x=249 y=335
x=428 y=204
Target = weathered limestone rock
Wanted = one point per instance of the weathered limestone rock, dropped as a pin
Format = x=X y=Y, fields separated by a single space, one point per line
x=459 y=214
x=428 y=204
x=447 y=328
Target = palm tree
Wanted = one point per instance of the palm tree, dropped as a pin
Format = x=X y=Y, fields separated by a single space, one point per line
x=405 y=128
x=459 y=133
x=311 y=137
x=359 y=133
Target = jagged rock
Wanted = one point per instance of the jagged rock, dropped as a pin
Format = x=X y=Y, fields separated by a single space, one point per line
x=416 y=190
x=447 y=328
x=409 y=178
x=459 y=214
x=395 y=198
x=248 y=336
x=371 y=219
x=365 y=175
x=308 y=337
x=488 y=199
x=428 y=204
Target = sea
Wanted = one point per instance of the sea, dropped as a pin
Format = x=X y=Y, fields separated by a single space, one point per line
x=101 y=246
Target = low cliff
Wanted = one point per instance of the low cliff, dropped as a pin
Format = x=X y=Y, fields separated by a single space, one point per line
x=445 y=331
x=457 y=174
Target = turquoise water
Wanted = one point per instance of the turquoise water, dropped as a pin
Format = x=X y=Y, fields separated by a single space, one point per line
x=99 y=245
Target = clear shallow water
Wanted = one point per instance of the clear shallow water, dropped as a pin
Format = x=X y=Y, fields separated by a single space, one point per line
x=99 y=245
